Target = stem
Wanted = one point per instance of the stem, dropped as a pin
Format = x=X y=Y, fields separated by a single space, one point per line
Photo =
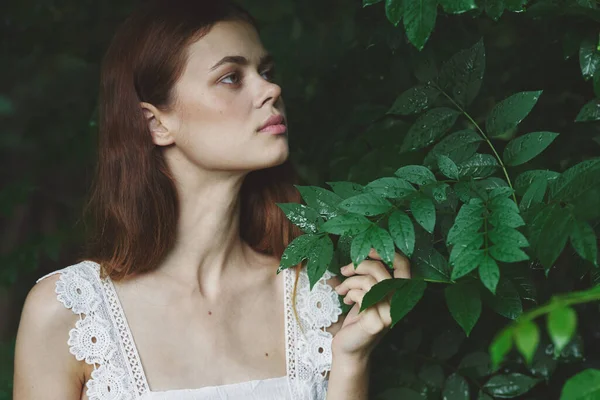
x=567 y=299
x=483 y=135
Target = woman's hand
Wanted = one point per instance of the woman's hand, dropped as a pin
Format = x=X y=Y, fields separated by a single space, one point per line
x=360 y=333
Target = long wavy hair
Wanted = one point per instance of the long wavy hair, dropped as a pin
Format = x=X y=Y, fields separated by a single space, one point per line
x=133 y=205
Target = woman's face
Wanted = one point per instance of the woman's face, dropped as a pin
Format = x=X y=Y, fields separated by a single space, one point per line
x=223 y=98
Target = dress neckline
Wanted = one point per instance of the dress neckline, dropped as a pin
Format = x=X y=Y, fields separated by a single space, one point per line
x=133 y=360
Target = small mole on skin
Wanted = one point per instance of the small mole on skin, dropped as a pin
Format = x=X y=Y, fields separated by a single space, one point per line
x=210 y=313
x=267 y=354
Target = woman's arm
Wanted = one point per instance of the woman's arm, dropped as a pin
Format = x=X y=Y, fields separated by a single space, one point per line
x=348 y=380
x=44 y=367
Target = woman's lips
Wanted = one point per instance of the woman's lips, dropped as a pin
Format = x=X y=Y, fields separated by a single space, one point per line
x=277 y=129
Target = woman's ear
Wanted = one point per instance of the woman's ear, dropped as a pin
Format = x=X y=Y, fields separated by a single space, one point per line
x=161 y=136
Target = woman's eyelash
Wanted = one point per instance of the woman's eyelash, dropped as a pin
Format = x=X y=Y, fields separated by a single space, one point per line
x=269 y=72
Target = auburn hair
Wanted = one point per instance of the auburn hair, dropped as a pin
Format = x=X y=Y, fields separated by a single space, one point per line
x=133 y=204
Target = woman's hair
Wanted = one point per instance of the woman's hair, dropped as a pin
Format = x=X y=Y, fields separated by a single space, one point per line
x=133 y=205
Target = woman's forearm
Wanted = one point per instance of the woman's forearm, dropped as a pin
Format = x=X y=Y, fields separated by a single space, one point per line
x=348 y=379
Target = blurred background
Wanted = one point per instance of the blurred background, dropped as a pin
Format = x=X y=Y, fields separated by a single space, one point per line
x=341 y=66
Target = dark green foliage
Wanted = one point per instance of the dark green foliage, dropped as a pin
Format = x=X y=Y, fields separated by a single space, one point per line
x=464 y=134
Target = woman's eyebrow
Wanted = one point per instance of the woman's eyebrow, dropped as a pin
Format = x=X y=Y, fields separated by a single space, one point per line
x=241 y=60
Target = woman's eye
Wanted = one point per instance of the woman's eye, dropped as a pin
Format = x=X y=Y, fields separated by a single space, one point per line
x=234 y=78
x=269 y=74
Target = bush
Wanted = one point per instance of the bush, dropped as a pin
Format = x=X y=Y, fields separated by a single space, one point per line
x=467 y=139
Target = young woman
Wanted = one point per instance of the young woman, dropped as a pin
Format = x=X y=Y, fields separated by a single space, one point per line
x=178 y=297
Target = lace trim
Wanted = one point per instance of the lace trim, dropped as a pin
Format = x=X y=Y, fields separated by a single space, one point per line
x=118 y=372
x=127 y=344
x=308 y=345
x=94 y=339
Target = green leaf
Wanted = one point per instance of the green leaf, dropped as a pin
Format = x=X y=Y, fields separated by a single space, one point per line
x=417 y=174
x=402 y=231
x=430 y=126
x=589 y=112
x=505 y=236
x=458 y=6
x=525 y=179
x=322 y=200
x=419 y=20
x=562 y=323
x=303 y=217
x=468 y=242
x=346 y=224
x=489 y=273
x=297 y=251
x=360 y=247
x=370 y=2
x=534 y=194
x=382 y=243
x=456 y=388
x=502 y=191
x=447 y=344
x=319 y=258
x=374 y=237
x=504 y=217
x=576 y=180
x=476 y=365
x=494 y=8
x=368 y=204
x=432 y=375
x=526 y=147
x=346 y=189
x=464 y=303
x=458 y=146
x=584 y=241
x=597 y=82
x=468 y=220
x=527 y=338
x=447 y=167
x=483 y=396
x=379 y=291
x=553 y=235
x=589 y=57
x=583 y=386
x=414 y=100
x=466 y=262
x=390 y=187
x=507 y=253
x=406 y=296
x=462 y=74
x=430 y=265
x=507 y=114
x=501 y=346
x=478 y=166
x=394 y=10
x=507 y=301
x=423 y=211
x=510 y=385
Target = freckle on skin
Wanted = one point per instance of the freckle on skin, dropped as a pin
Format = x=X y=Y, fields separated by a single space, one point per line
x=210 y=313
x=267 y=354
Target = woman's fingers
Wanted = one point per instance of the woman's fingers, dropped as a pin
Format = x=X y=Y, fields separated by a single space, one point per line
x=367 y=267
x=363 y=282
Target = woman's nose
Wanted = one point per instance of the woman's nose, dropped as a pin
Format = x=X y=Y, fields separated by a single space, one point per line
x=271 y=92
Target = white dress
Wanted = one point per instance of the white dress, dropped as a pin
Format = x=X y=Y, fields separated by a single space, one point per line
x=102 y=338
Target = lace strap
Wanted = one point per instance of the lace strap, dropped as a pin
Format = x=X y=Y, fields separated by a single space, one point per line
x=308 y=344
x=126 y=338
x=93 y=339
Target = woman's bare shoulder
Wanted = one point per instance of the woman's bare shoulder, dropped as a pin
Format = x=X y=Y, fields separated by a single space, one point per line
x=43 y=363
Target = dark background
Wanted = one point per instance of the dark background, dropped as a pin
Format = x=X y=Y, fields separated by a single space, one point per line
x=340 y=65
